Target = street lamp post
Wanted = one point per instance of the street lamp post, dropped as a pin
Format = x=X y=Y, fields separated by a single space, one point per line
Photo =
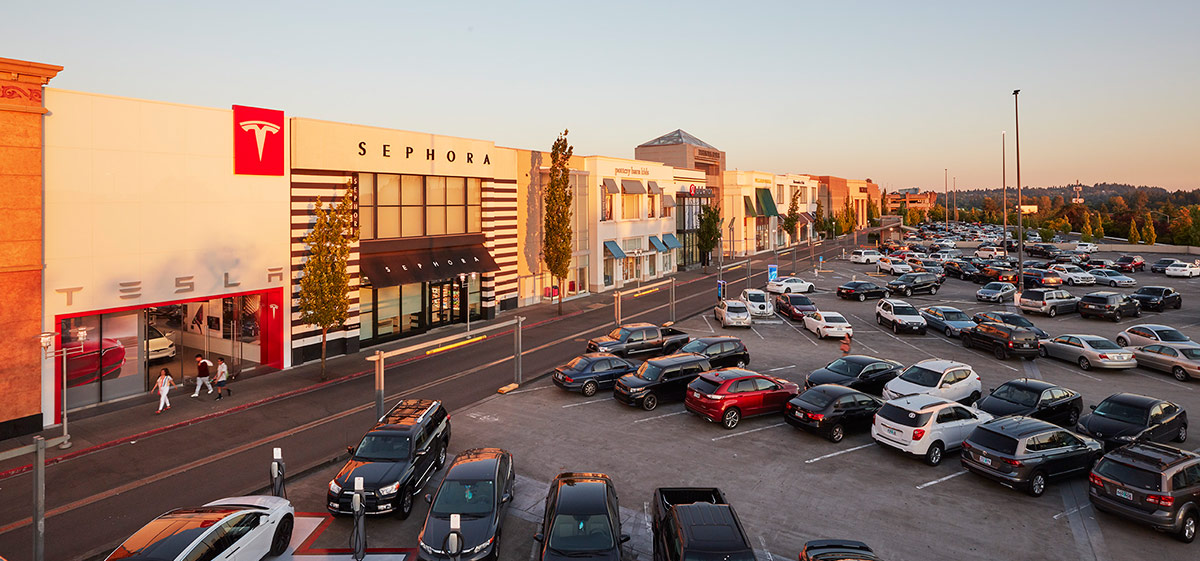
x=1004 y=183
x=1020 y=213
x=47 y=341
x=946 y=187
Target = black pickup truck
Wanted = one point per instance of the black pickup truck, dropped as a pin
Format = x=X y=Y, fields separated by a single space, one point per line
x=697 y=523
x=639 y=339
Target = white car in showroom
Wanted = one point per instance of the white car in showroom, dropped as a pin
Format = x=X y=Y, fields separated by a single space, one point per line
x=828 y=324
x=868 y=256
x=158 y=345
x=732 y=312
x=1073 y=274
x=758 y=302
x=925 y=426
x=1181 y=269
x=892 y=265
x=947 y=379
x=237 y=528
x=788 y=285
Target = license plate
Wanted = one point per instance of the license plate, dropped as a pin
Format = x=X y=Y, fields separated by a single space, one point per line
x=892 y=432
x=558 y=376
x=985 y=460
x=696 y=395
x=1124 y=494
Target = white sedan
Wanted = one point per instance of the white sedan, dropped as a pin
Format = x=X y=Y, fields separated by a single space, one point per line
x=788 y=285
x=828 y=324
x=893 y=265
x=1188 y=270
x=237 y=528
x=1073 y=274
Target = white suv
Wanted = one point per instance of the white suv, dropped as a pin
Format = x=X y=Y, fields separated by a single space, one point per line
x=892 y=265
x=869 y=256
x=946 y=379
x=1087 y=246
x=990 y=252
x=758 y=302
x=900 y=315
x=1073 y=275
x=925 y=426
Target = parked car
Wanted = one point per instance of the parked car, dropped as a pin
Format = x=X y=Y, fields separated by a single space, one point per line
x=1047 y=301
x=1041 y=278
x=757 y=301
x=1112 y=278
x=990 y=252
x=837 y=550
x=946 y=319
x=828 y=324
x=996 y=292
x=787 y=285
x=1185 y=270
x=479 y=488
x=697 y=523
x=591 y=372
x=830 y=410
x=1025 y=453
x=925 y=425
x=236 y=529
x=1130 y=263
x=860 y=372
x=892 y=265
x=1182 y=361
x=1151 y=333
x=1004 y=340
x=1042 y=250
x=395 y=459
x=900 y=315
x=1010 y=319
x=1093 y=264
x=644 y=339
x=1151 y=484
x=861 y=290
x=1088 y=351
x=732 y=313
x=1073 y=274
x=581 y=519
x=794 y=306
x=946 y=379
x=868 y=256
x=1039 y=399
x=659 y=378
x=910 y=283
x=1161 y=265
x=721 y=351
x=1127 y=417
x=997 y=273
x=1088 y=247
x=961 y=270
x=1158 y=297
x=728 y=395
x=1109 y=305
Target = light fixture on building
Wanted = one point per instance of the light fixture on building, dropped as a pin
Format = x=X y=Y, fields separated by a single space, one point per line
x=47 y=342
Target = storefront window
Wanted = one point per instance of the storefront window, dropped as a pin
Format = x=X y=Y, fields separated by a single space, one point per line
x=474 y=208
x=651 y=263
x=609 y=264
x=387 y=311
x=631 y=207
x=366 y=311
x=652 y=203
x=366 y=206
x=606 y=208
x=412 y=307
x=388 y=199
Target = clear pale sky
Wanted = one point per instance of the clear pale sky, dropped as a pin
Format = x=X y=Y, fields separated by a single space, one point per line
x=894 y=91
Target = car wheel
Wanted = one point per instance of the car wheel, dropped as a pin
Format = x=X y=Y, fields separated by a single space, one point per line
x=650 y=402
x=1000 y=352
x=589 y=388
x=741 y=363
x=836 y=433
x=1070 y=282
x=811 y=288
x=895 y=328
x=932 y=290
x=949 y=332
x=879 y=319
x=404 y=509
x=1053 y=311
x=282 y=537
x=1072 y=418
x=1122 y=341
x=1180 y=374
x=1084 y=363
x=972 y=399
x=863 y=298
x=1037 y=484
x=1042 y=352
x=1112 y=284
x=908 y=292
x=1181 y=436
x=1187 y=531
x=731 y=417
x=1116 y=316
x=1178 y=303
x=1137 y=312
x=787 y=291
x=933 y=456
x=966 y=341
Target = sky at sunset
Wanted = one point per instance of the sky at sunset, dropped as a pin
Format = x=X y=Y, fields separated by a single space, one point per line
x=893 y=91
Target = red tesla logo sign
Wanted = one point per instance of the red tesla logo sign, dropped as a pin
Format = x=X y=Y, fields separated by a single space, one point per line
x=257 y=141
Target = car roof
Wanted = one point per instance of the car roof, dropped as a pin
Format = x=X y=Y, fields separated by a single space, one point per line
x=1104 y=293
x=597 y=355
x=1151 y=454
x=919 y=402
x=750 y=290
x=1030 y=383
x=1019 y=426
x=1151 y=326
x=731 y=373
x=943 y=308
x=476 y=463
x=407 y=414
x=716 y=338
x=1133 y=399
x=581 y=493
x=710 y=527
x=893 y=301
x=832 y=390
x=637 y=325
x=940 y=364
x=862 y=359
x=732 y=301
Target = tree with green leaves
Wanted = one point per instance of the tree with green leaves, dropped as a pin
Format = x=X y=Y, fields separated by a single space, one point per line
x=791 y=220
x=1098 y=228
x=1149 y=235
x=1047 y=234
x=556 y=218
x=325 y=284
x=938 y=214
x=1133 y=236
x=709 y=233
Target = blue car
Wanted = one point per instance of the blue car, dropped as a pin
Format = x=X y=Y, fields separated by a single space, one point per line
x=591 y=372
x=947 y=319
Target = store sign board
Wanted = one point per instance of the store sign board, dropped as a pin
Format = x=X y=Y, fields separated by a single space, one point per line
x=340 y=146
x=257 y=141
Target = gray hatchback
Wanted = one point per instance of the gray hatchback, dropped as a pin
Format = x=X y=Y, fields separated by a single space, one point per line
x=1024 y=453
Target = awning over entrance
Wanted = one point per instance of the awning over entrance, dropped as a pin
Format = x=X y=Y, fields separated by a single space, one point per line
x=766 y=202
x=610 y=187
x=807 y=218
x=423 y=265
x=671 y=241
x=654 y=188
x=658 y=244
x=668 y=201
x=633 y=187
x=614 y=250
x=750 y=212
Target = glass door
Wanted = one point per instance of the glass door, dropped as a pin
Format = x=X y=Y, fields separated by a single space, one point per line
x=440 y=302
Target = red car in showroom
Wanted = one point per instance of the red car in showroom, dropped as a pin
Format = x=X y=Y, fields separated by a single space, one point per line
x=727 y=395
x=93 y=361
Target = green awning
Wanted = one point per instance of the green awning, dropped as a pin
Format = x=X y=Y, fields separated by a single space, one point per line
x=767 y=202
x=750 y=212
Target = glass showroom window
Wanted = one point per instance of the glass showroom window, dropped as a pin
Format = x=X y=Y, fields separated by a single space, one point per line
x=652 y=202
x=631 y=207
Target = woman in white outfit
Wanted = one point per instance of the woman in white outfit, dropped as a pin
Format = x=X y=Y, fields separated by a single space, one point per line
x=163 y=385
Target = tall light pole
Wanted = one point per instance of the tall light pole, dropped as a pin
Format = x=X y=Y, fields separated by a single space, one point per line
x=1020 y=212
x=946 y=187
x=956 y=199
x=1004 y=182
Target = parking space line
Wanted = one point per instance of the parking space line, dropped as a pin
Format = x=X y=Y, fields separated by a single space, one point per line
x=705 y=318
x=529 y=390
x=782 y=368
x=660 y=416
x=838 y=453
x=587 y=402
x=939 y=480
x=798 y=330
x=763 y=541
x=757 y=333
x=748 y=431
x=1164 y=380
x=885 y=332
x=1072 y=511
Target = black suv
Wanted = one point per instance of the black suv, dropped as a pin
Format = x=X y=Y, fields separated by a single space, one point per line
x=721 y=351
x=1158 y=297
x=960 y=270
x=908 y=283
x=660 y=378
x=1042 y=250
x=1004 y=340
x=1152 y=484
x=1041 y=278
x=395 y=459
x=1110 y=305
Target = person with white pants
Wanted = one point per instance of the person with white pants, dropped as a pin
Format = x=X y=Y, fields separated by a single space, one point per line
x=163 y=385
x=202 y=366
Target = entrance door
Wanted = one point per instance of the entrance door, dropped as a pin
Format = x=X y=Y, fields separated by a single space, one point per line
x=442 y=296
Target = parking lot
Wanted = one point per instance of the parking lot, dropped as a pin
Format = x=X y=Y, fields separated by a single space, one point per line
x=789 y=486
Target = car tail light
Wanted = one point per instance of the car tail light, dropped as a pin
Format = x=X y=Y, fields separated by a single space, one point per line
x=714 y=397
x=1010 y=344
x=1095 y=480
x=1014 y=463
x=1103 y=356
x=967 y=446
x=918 y=434
x=1161 y=500
x=815 y=416
x=568 y=379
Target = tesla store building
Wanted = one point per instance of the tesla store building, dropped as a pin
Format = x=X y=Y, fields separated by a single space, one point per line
x=165 y=237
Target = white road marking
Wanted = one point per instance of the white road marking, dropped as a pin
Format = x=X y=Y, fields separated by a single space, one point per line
x=757 y=333
x=1070 y=512
x=763 y=541
x=782 y=368
x=1164 y=380
x=1068 y=370
x=798 y=330
x=526 y=390
x=939 y=480
x=587 y=402
x=660 y=416
x=748 y=431
x=885 y=332
x=838 y=453
x=705 y=318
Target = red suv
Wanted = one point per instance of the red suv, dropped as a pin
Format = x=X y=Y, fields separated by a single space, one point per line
x=1130 y=263
x=727 y=395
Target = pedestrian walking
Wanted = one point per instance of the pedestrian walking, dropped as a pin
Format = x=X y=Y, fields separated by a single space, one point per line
x=221 y=377
x=846 y=345
x=163 y=385
x=202 y=366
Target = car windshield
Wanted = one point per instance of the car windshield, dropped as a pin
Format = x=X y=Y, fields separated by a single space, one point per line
x=1071 y=269
x=696 y=346
x=471 y=498
x=921 y=376
x=619 y=333
x=907 y=278
x=577 y=533
x=648 y=371
x=1165 y=261
x=382 y=448
x=756 y=297
x=1102 y=344
x=905 y=310
x=1117 y=411
x=816 y=398
x=736 y=308
x=995 y=441
x=1171 y=335
x=1193 y=354
x=153 y=332
x=997 y=286
x=1016 y=320
x=798 y=300
x=1125 y=259
x=843 y=366
x=954 y=315
x=1013 y=393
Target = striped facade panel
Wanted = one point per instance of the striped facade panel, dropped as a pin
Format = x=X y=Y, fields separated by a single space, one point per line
x=500 y=234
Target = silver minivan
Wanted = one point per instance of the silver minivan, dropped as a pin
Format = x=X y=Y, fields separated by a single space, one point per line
x=1049 y=301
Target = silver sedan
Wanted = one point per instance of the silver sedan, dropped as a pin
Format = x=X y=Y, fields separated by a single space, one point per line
x=1088 y=351
x=1182 y=361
